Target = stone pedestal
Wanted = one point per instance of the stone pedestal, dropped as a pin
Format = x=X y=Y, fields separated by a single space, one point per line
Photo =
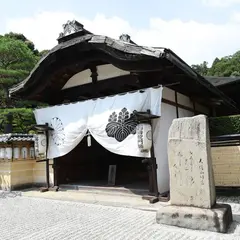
x=215 y=219
x=192 y=188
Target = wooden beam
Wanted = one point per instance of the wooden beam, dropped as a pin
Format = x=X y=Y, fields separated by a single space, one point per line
x=158 y=69
x=170 y=67
x=116 y=85
x=83 y=98
x=179 y=105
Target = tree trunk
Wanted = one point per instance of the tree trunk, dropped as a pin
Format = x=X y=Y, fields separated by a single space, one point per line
x=7 y=99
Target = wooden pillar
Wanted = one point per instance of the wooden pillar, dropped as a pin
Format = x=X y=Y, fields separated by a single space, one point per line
x=176 y=101
x=153 y=195
x=194 y=108
x=47 y=173
x=154 y=173
x=12 y=146
x=153 y=165
x=214 y=114
x=47 y=159
x=55 y=172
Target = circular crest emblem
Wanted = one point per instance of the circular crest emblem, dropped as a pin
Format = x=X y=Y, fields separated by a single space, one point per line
x=149 y=135
x=43 y=142
x=57 y=134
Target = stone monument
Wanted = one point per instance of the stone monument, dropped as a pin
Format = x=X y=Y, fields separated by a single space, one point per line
x=192 y=190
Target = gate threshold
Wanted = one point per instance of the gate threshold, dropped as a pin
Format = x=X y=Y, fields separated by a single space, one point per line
x=112 y=190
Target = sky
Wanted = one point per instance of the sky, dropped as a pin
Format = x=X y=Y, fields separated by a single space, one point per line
x=196 y=30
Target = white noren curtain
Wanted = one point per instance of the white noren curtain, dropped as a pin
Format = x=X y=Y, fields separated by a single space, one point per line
x=109 y=120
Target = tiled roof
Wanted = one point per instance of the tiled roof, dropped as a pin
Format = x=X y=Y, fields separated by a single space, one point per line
x=13 y=137
x=220 y=81
x=75 y=39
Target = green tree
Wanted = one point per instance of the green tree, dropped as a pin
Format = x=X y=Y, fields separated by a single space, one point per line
x=201 y=68
x=22 y=119
x=43 y=53
x=228 y=66
x=21 y=37
x=17 y=58
x=16 y=61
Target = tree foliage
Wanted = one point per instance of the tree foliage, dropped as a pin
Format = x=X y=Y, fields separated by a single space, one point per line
x=21 y=37
x=16 y=61
x=201 y=68
x=18 y=56
x=43 y=53
x=228 y=66
x=224 y=125
x=15 y=54
x=23 y=119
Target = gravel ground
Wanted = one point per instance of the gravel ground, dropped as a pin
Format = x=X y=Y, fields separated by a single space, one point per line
x=35 y=218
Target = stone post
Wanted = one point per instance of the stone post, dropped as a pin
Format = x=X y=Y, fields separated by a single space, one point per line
x=192 y=188
x=190 y=163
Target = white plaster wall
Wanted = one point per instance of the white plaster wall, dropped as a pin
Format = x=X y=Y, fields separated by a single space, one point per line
x=160 y=136
x=80 y=78
x=105 y=71
x=109 y=71
x=185 y=113
x=160 y=139
x=168 y=94
x=184 y=100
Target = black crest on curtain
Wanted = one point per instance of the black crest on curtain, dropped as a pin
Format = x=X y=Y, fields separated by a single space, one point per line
x=121 y=125
x=57 y=134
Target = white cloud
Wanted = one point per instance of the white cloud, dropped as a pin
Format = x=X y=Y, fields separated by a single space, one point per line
x=235 y=17
x=194 y=42
x=43 y=28
x=220 y=3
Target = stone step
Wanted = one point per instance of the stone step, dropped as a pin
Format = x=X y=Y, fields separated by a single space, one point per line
x=104 y=190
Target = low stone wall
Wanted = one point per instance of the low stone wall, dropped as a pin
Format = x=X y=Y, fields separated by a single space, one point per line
x=26 y=173
x=19 y=174
x=39 y=173
x=226 y=166
x=5 y=175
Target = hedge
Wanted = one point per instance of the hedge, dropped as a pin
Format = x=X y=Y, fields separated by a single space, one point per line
x=224 y=125
x=23 y=119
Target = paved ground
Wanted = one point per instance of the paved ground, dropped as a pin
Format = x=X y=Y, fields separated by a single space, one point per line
x=37 y=218
x=112 y=198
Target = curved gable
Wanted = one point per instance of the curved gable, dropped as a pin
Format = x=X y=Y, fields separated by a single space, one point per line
x=81 y=53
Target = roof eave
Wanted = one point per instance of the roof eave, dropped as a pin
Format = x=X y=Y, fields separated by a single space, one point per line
x=171 y=56
x=126 y=47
